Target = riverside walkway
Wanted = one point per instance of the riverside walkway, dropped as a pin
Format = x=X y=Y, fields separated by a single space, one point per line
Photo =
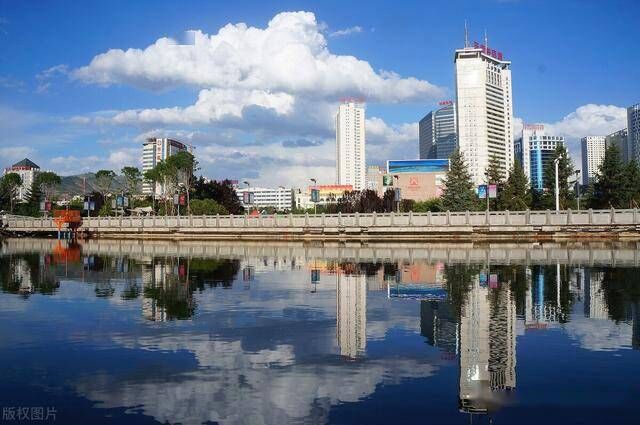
x=501 y=225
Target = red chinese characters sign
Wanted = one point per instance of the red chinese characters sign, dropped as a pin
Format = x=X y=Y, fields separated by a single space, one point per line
x=487 y=51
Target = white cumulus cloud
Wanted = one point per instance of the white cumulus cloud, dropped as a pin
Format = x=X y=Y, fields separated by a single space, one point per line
x=590 y=120
x=290 y=55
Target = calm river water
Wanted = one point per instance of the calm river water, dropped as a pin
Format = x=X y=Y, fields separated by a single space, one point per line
x=213 y=332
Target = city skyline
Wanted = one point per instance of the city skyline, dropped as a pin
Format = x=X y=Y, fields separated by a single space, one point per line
x=79 y=103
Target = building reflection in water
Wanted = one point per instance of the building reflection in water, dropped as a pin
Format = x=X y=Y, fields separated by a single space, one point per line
x=351 y=313
x=468 y=315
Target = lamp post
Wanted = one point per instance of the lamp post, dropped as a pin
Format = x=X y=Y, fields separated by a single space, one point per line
x=557 y=187
x=578 y=188
x=396 y=179
x=486 y=174
x=248 y=192
x=315 y=183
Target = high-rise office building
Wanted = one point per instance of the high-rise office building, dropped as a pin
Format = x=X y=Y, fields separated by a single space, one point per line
x=350 y=146
x=593 y=148
x=27 y=170
x=633 y=131
x=535 y=150
x=484 y=109
x=620 y=140
x=154 y=151
x=437 y=133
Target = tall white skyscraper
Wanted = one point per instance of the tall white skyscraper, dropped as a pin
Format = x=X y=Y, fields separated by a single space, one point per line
x=155 y=150
x=350 y=146
x=633 y=131
x=593 y=148
x=484 y=108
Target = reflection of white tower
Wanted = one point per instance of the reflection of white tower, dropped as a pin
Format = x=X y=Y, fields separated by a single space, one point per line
x=22 y=274
x=351 y=316
x=595 y=306
x=153 y=276
x=487 y=347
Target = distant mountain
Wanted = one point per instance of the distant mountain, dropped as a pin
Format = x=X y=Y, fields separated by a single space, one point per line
x=75 y=185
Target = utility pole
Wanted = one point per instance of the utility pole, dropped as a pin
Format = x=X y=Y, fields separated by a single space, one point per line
x=488 y=183
x=315 y=183
x=578 y=187
x=555 y=163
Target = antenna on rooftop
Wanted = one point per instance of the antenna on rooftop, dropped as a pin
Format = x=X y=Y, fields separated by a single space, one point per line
x=486 y=40
x=466 y=35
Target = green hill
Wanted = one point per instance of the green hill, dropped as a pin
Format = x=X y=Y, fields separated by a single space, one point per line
x=74 y=185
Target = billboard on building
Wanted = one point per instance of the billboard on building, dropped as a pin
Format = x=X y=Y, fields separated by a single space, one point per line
x=247 y=198
x=387 y=180
x=418 y=166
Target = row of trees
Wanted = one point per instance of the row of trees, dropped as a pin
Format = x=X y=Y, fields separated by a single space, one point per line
x=513 y=192
x=43 y=188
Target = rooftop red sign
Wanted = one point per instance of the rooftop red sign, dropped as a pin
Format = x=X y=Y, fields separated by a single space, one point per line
x=487 y=51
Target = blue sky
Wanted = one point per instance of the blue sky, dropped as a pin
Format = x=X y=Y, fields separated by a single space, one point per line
x=258 y=101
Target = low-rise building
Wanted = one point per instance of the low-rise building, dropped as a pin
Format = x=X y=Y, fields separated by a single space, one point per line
x=327 y=194
x=418 y=180
x=279 y=198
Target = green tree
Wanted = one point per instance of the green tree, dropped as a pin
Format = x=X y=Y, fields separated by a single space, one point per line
x=565 y=172
x=458 y=194
x=11 y=182
x=631 y=180
x=104 y=180
x=133 y=179
x=609 y=187
x=433 y=205
x=152 y=177
x=47 y=182
x=207 y=207
x=184 y=165
x=222 y=192
x=495 y=175
x=516 y=195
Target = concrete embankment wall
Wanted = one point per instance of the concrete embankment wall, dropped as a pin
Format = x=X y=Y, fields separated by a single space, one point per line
x=474 y=226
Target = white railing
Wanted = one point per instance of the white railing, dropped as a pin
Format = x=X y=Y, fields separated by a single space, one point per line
x=630 y=217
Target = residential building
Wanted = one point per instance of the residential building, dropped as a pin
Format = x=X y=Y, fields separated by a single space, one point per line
x=373 y=172
x=620 y=140
x=27 y=170
x=418 y=180
x=535 y=150
x=279 y=198
x=154 y=151
x=633 y=131
x=350 y=145
x=593 y=149
x=437 y=132
x=484 y=109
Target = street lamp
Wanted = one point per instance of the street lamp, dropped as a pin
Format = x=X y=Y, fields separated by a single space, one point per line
x=578 y=187
x=315 y=183
x=557 y=188
x=486 y=193
x=397 y=181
